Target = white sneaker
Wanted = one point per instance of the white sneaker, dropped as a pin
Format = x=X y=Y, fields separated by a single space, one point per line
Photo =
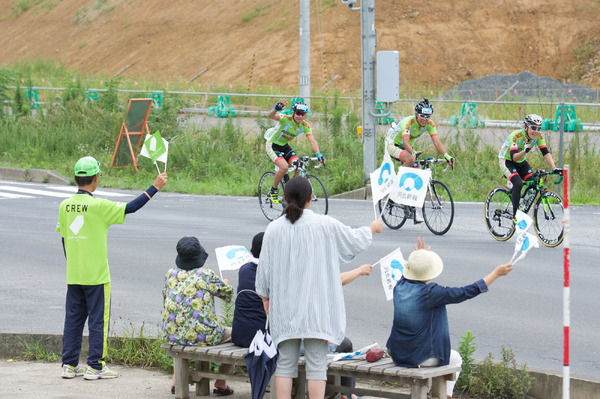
x=72 y=372
x=93 y=374
x=418 y=217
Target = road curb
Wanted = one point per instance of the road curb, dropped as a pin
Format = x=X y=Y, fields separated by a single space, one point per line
x=547 y=384
x=33 y=175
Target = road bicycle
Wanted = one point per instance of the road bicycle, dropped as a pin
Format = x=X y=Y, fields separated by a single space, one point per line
x=438 y=208
x=320 y=202
x=547 y=210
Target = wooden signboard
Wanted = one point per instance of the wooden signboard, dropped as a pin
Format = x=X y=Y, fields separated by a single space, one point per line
x=133 y=129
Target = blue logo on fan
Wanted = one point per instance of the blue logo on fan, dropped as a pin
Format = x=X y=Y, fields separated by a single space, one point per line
x=237 y=253
x=386 y=167
x=397 y=269
x=410 y=181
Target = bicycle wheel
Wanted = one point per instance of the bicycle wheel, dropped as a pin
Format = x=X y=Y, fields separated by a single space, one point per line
x=320 y=203
x=498 y=212
x=269 y=209
x=394 y=214
x=547 y=218
x=438 y=209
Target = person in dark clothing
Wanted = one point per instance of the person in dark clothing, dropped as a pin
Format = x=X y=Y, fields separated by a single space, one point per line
x=249 y=314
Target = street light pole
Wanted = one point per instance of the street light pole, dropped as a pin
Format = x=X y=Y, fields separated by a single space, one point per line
x=368 y=44
x=304 y=84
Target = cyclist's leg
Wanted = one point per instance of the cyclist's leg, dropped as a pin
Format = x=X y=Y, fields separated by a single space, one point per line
x=290 y=156
x=505 y=171
x=277 y=156
x=519 y=172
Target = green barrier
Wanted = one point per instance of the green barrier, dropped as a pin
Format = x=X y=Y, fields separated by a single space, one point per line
x=32 y=98
x=381 y=109
x=157 y=99
x=572 y=122
x=223 y=109
x=91 y=95
x=468 y=116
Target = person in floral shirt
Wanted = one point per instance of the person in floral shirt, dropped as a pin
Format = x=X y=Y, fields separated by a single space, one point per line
x=189 y=315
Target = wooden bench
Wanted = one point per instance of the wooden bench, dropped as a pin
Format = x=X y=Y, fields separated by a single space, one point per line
x=421 y=380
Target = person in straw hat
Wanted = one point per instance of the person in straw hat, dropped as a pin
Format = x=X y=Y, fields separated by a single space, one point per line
x=420 y=336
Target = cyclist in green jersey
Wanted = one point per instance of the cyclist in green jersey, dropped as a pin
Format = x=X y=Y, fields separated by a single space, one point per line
x=400 y=139
x=513 y=153
x=279 y=136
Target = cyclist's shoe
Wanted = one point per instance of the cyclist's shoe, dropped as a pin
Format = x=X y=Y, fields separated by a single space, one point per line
x=418 y=218
x=274 y=196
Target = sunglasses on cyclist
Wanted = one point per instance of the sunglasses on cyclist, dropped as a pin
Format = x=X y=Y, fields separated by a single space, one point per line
x=535 y=128
x=424 y=116
x=300 y=113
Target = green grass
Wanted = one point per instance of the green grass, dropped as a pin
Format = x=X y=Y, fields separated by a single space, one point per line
x=33 y=349
x=255 y=13
x=223 y=159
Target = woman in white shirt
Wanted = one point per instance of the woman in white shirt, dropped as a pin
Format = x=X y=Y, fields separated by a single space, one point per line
x=298 y=278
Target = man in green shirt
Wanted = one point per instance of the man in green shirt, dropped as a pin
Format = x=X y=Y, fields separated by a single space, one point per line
x=279 y=136
x=83 y=223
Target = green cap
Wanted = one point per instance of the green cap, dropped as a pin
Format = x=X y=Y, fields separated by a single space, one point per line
x=87 y=166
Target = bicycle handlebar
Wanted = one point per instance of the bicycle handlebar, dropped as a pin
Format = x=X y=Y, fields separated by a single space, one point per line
x=430 y=161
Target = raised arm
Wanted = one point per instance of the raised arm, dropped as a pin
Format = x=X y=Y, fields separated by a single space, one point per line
x=136 y=204
x=499 y=271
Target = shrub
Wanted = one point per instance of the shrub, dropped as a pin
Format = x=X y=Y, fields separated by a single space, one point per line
x=502 y=380
x=466 y=348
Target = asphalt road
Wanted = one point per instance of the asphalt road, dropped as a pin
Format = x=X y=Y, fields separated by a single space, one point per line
x=523 y=311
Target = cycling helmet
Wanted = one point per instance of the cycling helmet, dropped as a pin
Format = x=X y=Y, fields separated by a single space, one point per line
x=532 y=119
x=300 y=108
x=424 y=109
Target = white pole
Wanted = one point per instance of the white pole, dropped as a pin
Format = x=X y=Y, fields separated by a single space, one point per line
x=567 y=284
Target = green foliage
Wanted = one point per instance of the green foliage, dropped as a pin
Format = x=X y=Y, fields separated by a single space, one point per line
x=19 y=105
x=20 y=6
x=466 y=349
x=257 y=12
x=6 y=77
x=584 y=54
x=504 y=380
x=73 y=92
x=138 y=350
x=227 y=159
x=34 y=349
x=109 y=100
x=166 y=118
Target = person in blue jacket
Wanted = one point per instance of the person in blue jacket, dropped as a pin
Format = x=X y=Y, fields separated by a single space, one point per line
x=420 y=335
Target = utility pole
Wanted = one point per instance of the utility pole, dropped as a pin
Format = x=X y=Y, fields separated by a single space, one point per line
x=368 y=44
x=304 y=84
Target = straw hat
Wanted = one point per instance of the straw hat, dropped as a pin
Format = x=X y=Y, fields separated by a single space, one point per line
x=423 y=265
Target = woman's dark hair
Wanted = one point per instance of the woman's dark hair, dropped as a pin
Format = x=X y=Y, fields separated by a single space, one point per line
x=297 y=192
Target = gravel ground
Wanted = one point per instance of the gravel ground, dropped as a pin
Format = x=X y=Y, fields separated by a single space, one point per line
x=526 y=86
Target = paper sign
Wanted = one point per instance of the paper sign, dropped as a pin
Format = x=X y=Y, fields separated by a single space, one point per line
x=410 y=186
x=392 y=267
x=232 y=257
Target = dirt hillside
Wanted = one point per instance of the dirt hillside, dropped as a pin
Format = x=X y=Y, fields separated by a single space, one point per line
x=440 y=43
